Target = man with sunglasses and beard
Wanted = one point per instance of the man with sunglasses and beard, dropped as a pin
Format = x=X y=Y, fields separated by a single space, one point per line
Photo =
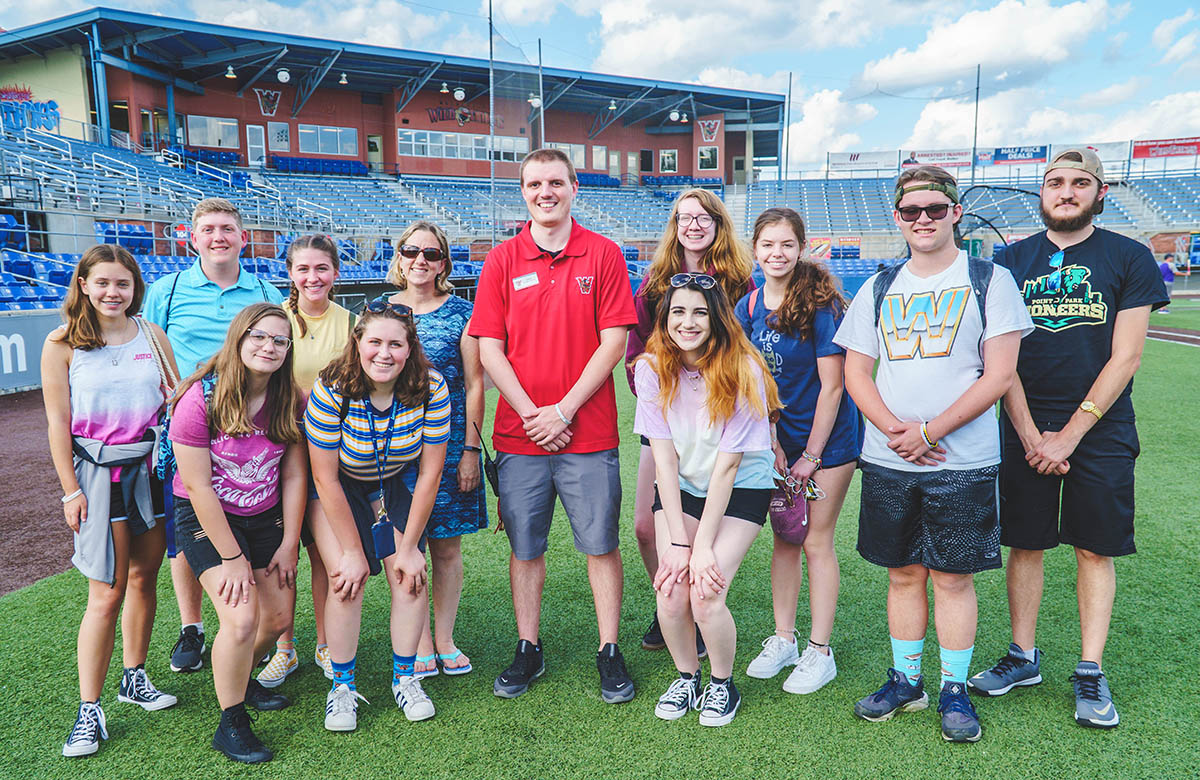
x=1068 y=423
x=945 y=330
x=552 y=312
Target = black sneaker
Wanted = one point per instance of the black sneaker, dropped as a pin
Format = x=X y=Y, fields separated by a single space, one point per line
x=261 y=698
x=653 y=638
x=701 y=650
x=719 y=703
x=527 y=666
x=185 y=656
x=615 y=684
x=235 y=739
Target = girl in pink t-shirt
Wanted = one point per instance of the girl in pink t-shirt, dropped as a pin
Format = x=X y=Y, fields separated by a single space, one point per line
x=704 y=401
x=240 y=492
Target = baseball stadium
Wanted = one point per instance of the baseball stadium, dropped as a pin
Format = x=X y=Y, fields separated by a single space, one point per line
x=116 y=124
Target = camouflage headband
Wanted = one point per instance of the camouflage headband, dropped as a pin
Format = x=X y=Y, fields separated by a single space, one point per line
x=950 y=190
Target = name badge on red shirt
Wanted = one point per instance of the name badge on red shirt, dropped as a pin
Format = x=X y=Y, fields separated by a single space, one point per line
x=528 y=280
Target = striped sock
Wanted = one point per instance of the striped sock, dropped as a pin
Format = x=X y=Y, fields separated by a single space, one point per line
x=402 y=666
x=906 y=657
x=955 y=664
x=343 y=674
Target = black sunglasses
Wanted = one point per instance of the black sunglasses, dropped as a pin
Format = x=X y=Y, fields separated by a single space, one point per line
x=379 y=306
x=703 y=281
x=935 y=212
x=432 y=253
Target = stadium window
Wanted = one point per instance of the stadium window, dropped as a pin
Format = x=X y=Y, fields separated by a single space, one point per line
x=404 y=142
x=212 y=131
x=668 y=161
x=481 y=147
x=522 y=147
x=279 y=137
x=322 y=139
x=450 y=145
x=420 y=142
x=435 y=144
x=600 y=158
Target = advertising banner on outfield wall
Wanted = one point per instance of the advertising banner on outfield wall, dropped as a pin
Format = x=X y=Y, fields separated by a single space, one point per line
x=1015 y=155
x=820 y=248
x=1170 y=147
x=1110 y=152
x=943 y=158
x=21 y=338
x=858 y=161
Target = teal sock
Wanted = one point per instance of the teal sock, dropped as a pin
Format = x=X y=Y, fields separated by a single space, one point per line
x=343 y=673
x=906 y=657
x=402 y=666
x=955 y=664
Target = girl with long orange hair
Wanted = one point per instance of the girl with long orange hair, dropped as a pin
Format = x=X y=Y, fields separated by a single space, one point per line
x=792 y=320
x=699 y=237
x=705 y=400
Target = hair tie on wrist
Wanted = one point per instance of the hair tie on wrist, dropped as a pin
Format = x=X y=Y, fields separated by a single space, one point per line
x=234 y=558
x=677 y=544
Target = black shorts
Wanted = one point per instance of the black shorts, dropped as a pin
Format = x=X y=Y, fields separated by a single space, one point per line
x=645 y=442
x=258 y=536
x=744 y=503
x=133 y=519
x=1091 y=507
x=943 y=519
x=360 y=493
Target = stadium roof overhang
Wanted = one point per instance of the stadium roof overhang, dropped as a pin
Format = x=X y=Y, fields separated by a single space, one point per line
x=190 y=54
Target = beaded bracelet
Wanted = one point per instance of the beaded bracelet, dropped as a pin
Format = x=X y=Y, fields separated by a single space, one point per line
x=813 y=459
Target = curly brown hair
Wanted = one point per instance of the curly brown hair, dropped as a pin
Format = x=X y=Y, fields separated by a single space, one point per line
x=346 y=374
x=811 y=288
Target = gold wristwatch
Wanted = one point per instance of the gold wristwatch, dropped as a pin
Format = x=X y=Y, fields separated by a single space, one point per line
x=1091 y=408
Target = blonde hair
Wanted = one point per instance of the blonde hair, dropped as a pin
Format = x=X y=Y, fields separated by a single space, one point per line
x=216 y=206
x=442 y=282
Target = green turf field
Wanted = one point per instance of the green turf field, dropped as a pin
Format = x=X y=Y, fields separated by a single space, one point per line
x=562 y=729
x=1185 y=313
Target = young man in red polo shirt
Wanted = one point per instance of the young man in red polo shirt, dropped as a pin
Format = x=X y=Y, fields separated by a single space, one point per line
x=552 y=311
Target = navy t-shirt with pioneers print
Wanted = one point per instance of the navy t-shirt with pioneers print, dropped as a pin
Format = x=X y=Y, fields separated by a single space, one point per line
x=1073 y=314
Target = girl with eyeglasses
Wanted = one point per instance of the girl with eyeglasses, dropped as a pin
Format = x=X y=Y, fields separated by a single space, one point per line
x=699 y=237
x=374 y=413
x=705 y=399
x=421 y=270
x=239 y=493
x=321 y=327
x=817 y=438
x=103 y=393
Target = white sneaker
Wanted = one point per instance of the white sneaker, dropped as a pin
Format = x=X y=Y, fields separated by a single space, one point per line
x=87 y=732
x=283 y=663
x=412 y=699
x=776 y=654
x=812 y=673
x=341 y=708
x=321 y=659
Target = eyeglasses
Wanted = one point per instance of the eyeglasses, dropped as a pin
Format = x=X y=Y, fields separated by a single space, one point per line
x=701 y=220
x=260 y=337
x=380 y=305
x=1055 y=279
x=935 y=212
x=703 y=281
x=432 y=253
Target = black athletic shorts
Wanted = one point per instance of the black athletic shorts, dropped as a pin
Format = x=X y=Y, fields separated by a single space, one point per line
x=744 y=503
x=943 y=519
x=1091 y=507
x=258 y=536
x=118 y=513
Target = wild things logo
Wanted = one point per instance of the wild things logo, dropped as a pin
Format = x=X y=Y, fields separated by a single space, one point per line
x=1063 y=299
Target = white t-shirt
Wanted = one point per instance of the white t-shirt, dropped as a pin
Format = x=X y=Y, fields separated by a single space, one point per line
x=927 y=344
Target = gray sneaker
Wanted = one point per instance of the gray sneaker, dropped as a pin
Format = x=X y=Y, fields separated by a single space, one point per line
x=1094 y=706
x=1009 y=672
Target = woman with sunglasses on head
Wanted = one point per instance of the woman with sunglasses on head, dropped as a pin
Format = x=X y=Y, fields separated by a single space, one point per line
x=705 y=400
x=321 y=328
x=373 y=414
x=699 y=237
x=103 y=392
x=239 y=502
x=791 y=320
x=421 y=269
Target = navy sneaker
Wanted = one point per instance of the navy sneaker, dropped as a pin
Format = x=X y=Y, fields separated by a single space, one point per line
x=1009 y=672
x=615 y=683
x=959 y=721
x=528 y=665
x=188 y=649
x=653 y=638
x=896 y=695
x=1094 y=706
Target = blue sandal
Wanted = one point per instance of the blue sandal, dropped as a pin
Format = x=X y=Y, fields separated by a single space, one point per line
x=426 y=659
x=453 y=670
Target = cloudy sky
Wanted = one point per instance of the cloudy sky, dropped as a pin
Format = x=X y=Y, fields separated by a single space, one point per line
x=867 y=74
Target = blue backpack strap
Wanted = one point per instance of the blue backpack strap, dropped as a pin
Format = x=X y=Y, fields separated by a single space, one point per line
x=883 y=283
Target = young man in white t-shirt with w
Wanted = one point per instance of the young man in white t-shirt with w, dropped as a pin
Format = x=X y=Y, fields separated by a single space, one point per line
x=932 y=451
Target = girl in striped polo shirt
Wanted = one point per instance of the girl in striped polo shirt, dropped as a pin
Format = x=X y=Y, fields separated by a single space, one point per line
x=373 y=412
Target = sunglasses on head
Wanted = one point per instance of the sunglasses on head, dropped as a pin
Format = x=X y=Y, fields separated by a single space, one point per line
x=935 y=212
x=703 y=281
x=432 y=254
x=399 y=309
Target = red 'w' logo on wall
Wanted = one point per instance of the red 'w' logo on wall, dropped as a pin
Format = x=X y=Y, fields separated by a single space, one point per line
x=708 y=129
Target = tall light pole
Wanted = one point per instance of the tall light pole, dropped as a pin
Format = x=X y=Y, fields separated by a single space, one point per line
x=492 y=117
x=975 y=133
x=541 y=100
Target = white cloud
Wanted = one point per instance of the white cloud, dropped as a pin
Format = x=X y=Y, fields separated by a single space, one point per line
x=1165 y=32
x=1113 y=94
x=733 y=78
x=520 y=12
x=1015 y=116
x=379 y=22
x=1180 y=50
x=1112 y=49
x=1168 y=117
x=826 y=125
x=1013 y=36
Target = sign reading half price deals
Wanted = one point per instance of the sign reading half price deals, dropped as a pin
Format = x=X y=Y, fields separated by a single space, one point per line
x=1017 y=155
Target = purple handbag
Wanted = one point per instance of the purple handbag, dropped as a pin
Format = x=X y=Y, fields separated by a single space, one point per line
x=789 y=512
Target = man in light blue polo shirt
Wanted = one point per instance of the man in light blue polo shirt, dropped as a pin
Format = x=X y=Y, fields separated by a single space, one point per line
x=195 y=308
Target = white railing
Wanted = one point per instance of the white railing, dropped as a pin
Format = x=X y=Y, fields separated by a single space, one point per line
x=213 y=172
x=119 y=167
x=48 y=173
x=177 y=190
x=53 y=143
x=172 y=158
x=322 y=213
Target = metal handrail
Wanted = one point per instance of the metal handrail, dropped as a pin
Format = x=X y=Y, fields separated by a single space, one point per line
x=46 y=141
x=162 y=180
x=213 y=172
x=112 y=164
x=22 y=159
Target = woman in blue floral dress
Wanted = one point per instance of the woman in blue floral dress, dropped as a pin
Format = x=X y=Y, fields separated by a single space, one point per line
x=421 y=269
